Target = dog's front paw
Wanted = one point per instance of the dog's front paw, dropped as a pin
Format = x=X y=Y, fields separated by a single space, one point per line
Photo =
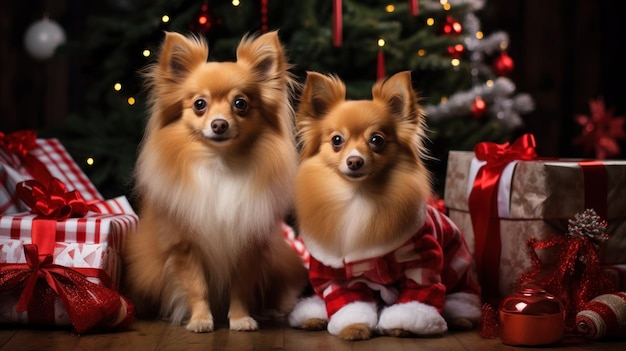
x=354 y=321
x=309 y=314
x=243 y=324
x=411 y=318
x=200 y=325
x=463 y=311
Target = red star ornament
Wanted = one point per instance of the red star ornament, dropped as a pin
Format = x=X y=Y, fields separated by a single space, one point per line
x=600 y=131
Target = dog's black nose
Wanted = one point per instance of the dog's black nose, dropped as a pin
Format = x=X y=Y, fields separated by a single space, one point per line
x=355 y=162
x=219 y=126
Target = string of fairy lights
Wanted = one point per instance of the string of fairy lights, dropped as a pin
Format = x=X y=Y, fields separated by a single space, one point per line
x=491 y=97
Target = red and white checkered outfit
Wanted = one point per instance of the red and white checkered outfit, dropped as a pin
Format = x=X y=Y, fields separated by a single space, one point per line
x=431 y=263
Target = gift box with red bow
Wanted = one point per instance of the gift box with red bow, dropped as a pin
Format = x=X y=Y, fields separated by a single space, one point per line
x=60 y=241
x=501 y=195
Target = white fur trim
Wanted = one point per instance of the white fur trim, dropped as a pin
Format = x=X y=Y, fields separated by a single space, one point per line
x=414 y=317
x=352 y=313
x=462 y=305
x=307 y=308
x=332 y=259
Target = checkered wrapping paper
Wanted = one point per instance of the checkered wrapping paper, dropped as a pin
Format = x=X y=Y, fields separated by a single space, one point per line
x=58 y=162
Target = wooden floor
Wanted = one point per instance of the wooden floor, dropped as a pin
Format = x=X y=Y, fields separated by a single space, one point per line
x=159 y=335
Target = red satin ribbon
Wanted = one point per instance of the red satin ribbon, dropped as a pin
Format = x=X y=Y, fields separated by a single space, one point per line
x=53 y=201
x=413 y=7
x=87 y=304
x=337 y=23
x=483 y=205
x=51 y=204
x=596 y=187
x=19 y=144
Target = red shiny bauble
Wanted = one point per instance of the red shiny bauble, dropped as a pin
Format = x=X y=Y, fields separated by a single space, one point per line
x=203 y=21
x=478 y=107
x=456 y=51
x=503 y=64
x=451 y=26
x=531 y=317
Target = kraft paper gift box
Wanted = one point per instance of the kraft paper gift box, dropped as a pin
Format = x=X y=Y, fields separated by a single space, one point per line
x=90 y=244
x=617 y=273
x=535 y=199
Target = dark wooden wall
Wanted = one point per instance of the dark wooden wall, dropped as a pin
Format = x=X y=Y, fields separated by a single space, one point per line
x=565 y=53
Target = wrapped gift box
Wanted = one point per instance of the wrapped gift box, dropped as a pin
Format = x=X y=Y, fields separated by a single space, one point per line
x=535 y=199
x=56 y=159
x=91 y=244
x=617 y=273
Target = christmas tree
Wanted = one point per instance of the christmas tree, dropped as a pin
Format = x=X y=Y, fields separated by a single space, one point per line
x=459 y=71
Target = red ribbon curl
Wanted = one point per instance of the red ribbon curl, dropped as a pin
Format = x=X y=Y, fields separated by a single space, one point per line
x=483 y=205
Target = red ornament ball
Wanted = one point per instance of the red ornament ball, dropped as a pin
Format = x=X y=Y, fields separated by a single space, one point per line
x=456 y=51
x=451 y=26
x=203 y=21
x=479 y=106
x=503 y=64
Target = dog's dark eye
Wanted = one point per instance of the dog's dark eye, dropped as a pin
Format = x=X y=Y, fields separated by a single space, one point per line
x=377 y=142
x=337 y=141
x=240 y=106
x=199 y=106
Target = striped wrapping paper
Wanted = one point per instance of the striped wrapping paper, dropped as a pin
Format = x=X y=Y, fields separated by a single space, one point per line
x=58 y=162
x=115 y=220
x=93 y=241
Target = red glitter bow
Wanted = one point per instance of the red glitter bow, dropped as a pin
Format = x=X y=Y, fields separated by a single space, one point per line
x=577 y=276
x=53 y=201
x=87 y=304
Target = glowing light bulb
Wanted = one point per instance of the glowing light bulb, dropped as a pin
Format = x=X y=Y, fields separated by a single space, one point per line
x=381 y=42
x=489 y=83
x=90 y=161
x=390 y=8
x=146 y=53
x=165 y=18
x=421 y=52
x=236 y=2
x=131 y=100
x=455 y=62
x=447 y=6
x=430 y=21
x=479 y=35
x=117 y=86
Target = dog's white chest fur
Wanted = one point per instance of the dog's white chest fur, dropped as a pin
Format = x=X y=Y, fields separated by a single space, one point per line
x=354 y=222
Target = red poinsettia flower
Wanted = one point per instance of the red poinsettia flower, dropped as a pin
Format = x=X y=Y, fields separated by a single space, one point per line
x=600 y=131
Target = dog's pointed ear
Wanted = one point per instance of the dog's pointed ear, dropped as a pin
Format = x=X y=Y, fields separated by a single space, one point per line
x=401 y=100
x=264 y=55
x=320 y=94
x=398 y=95
x=180 y=55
